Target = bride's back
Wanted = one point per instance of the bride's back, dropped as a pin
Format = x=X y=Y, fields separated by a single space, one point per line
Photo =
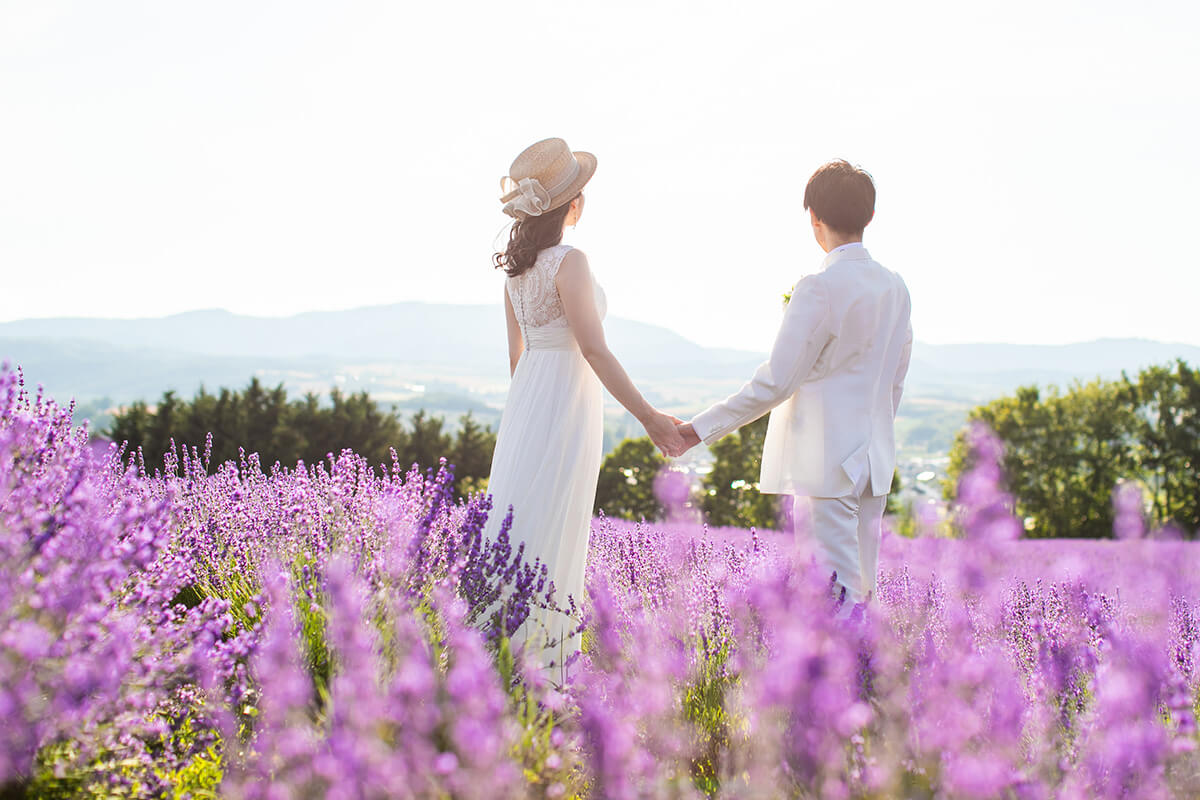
x=533 y=293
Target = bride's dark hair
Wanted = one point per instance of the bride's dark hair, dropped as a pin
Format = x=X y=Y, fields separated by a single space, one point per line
x=529 y=237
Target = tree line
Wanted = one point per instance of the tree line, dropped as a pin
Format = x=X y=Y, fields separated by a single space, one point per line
x=263 y=420
x=1066 y=451
x=728 y=494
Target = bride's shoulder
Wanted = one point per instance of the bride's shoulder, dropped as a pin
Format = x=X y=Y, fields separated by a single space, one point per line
x=571 y=260
x=573 y=254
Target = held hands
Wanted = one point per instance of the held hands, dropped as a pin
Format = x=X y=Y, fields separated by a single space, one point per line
x=671 y=435
x=662 y=430
x=688 y=433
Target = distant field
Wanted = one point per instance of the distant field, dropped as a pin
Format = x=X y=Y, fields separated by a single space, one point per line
x=927 y=424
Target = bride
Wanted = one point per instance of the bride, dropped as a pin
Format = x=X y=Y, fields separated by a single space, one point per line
x=548 y=449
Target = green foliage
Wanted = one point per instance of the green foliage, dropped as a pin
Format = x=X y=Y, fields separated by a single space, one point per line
x=199 y=779
x=1064 y=452
x=264 y=421
x=731 y=495
x=426 y=442
x=626 y=485
x=1167 y=431
x=61 y=775
x=533 y=749
x=471 y=453
x=929 y=423
x=704 y=705
x=469 y=486
x=903 y=520
x=893 y=501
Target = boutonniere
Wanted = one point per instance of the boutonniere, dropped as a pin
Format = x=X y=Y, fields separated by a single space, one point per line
x=787 y=297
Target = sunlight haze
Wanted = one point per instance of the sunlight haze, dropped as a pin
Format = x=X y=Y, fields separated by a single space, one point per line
x=1036 y=163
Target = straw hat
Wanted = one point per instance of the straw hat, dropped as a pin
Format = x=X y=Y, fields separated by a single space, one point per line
x=544 y=177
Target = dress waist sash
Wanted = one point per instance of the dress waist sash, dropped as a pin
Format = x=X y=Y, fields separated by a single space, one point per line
x=549 y=337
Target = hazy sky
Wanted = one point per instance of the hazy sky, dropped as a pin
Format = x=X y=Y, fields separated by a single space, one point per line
x=1036 y=162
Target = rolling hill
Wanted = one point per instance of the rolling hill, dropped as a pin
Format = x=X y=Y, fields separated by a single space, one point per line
x=425 y=355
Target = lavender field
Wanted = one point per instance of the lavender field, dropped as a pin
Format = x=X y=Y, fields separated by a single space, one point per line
x=337 y=630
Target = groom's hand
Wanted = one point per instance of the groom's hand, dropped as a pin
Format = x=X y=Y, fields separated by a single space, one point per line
x=688 y=434
x=663 y=432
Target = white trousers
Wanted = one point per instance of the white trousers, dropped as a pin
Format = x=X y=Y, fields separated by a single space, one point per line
x=844 y=533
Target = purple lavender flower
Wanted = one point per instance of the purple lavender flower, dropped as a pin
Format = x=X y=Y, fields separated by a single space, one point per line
x=337 y=630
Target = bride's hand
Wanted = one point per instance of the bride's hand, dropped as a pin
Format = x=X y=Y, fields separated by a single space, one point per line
x=662 y=431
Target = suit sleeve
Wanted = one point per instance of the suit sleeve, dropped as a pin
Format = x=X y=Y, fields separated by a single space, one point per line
x=902 y=370
x=805 y=331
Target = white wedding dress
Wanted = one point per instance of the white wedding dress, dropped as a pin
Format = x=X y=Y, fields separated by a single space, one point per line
x=548 y=449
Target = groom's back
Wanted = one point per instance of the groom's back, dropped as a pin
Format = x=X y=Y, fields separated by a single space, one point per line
x=848 y=404
x=869 y=304
x=834 y=376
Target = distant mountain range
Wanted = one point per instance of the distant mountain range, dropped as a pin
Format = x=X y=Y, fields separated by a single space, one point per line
x=127 y=359
x=411 y=333
x=466 y=338
x=985 y=370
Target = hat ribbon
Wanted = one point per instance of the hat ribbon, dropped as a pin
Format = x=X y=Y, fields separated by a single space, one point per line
x=533 y=199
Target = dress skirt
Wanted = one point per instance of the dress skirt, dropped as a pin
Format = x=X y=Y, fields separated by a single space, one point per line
x=546 y=465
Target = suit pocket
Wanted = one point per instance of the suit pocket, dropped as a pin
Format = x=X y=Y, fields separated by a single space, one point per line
x=856 y=464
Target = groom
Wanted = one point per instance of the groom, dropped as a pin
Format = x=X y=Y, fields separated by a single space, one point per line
x=833 y=381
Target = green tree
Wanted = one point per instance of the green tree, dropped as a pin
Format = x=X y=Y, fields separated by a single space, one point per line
x=262 y=420
x=731 y=495
x=1047 y=465
x=893 y=500
x=1167 y=452
x=471 y=454
x=427 y=442
x=303 y=437
x=625 y=488
x=1064 y=453
x=131 y=425
x=355 y=421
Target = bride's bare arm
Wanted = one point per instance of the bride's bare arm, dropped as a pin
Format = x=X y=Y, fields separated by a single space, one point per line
x=574 y=282
x=515 y=343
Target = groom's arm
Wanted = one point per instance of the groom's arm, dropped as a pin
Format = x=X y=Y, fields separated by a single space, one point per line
x=805 y=331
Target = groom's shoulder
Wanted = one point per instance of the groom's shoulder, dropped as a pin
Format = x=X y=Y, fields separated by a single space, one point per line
x=892 y=282
x=818 y=283
x=881 y=265
x=857 y=279
x=884 y=270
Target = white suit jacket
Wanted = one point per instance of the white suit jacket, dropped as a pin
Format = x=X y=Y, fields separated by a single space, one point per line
x=834 y=379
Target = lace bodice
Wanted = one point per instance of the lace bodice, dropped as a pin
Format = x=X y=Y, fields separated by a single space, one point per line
x=535 y=297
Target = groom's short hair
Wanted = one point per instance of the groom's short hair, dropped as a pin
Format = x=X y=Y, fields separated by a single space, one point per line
x=842 y=196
